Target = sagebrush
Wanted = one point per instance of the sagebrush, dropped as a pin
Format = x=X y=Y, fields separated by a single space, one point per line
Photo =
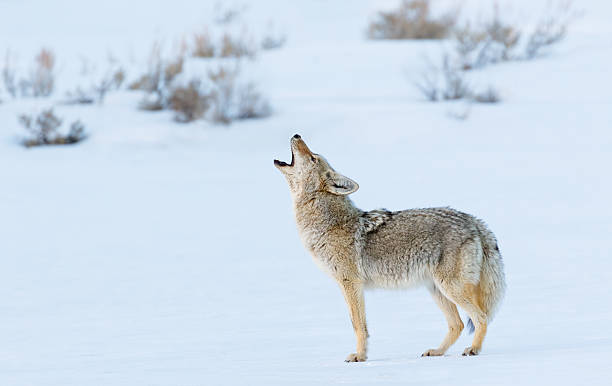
x=413 y=19
x=43 y=129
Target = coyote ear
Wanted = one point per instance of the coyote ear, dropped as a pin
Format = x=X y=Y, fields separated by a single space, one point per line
x=340 y=185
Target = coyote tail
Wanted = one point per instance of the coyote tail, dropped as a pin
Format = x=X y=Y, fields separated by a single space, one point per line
x=492 y=283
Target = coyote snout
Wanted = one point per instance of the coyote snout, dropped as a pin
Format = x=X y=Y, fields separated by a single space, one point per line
x=452 y=253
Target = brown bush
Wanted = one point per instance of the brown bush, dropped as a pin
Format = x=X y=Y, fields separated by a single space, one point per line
x=231 y=99
x=203 y=46
x=150 y=81
x=43 y=129
x=43 y=78
x=224 y=80
x=189 y=103
x=236 y=47
x=225 y=99
x=491 y=43
x=158 y=79
x=411 y=20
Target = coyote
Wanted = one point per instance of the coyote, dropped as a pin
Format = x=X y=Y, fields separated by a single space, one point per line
x=452 y=253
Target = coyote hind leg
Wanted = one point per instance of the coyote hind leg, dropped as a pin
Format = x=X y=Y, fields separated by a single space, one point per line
x=455 y=325
x=472 y=303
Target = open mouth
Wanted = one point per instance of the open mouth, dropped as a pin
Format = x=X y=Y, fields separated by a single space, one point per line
x=282 y=163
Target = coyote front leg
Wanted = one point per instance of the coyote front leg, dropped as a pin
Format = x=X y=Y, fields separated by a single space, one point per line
x=353 y=294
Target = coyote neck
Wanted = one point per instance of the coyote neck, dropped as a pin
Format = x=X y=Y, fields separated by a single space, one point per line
x=322 y=214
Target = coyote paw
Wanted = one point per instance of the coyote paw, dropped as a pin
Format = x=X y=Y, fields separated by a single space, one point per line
x=356 y=358
x=471 y=351
x=433 y=353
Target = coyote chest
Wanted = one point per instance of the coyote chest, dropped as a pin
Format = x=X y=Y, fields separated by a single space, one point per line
x=333 y=250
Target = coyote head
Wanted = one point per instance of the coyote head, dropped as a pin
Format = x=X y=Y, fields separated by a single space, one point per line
x=309 y=174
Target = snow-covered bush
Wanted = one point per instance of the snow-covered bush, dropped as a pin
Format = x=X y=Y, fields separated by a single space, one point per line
x=411 y=20
x=43 y=130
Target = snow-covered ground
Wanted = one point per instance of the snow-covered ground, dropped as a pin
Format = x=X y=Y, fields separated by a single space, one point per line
x=156 y=253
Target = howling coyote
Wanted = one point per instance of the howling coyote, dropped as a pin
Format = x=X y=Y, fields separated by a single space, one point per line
x=452 y=253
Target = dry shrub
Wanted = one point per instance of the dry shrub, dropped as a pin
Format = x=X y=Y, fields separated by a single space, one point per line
x=173 y=68
x=150 y=81
x=489 y=95
x=551 y=29
x=9 y=77
x=226 y=15
x=157 y=81
x=448 y=82
x=444 y=82
x=220 y=96
x=236 y=47
x=273 y=40
x=189 y=102
x=412 y=20
x=491 y=43
x=42 y=80
x=251 y=104
x=203 y=46
x=546 y=34
x=44 y=130
x=497 y=41
x=232 y=99
x=111 y=80
x=224 y=81
x=79 y=96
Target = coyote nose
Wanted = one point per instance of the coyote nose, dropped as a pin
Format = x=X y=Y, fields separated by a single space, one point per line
x=297 y=136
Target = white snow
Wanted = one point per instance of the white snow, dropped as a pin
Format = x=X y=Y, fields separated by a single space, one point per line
x=156 y=253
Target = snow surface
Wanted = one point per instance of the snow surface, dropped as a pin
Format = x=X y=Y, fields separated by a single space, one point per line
x=164 y=254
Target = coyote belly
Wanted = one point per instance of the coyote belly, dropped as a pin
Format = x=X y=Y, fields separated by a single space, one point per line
x=453 y=254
